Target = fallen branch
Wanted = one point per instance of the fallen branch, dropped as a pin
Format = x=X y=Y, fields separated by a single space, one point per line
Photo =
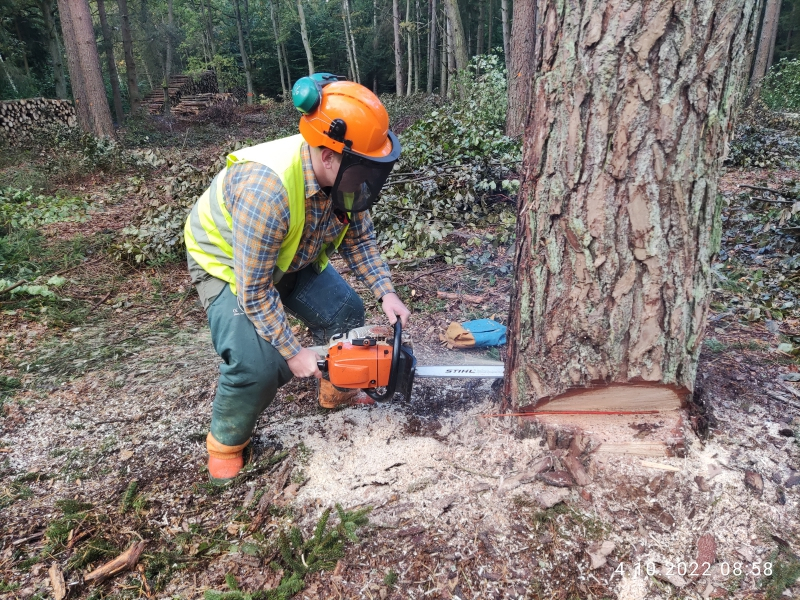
x=98 y=303
x=784 y=399
x=13 y=287
x=464 y=297
x=125 y=561
x=775 y=201
x=760 y=188
x=269 y=497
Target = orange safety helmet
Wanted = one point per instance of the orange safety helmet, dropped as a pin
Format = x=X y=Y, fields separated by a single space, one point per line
x=366 y=119
x=348 y=118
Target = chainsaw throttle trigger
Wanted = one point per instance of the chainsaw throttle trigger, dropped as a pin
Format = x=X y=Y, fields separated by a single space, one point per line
x=322 y=365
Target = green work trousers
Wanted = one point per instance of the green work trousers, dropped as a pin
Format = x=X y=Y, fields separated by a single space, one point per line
x=252 y=369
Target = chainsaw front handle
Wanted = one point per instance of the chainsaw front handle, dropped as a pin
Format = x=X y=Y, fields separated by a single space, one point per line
x=391 y=386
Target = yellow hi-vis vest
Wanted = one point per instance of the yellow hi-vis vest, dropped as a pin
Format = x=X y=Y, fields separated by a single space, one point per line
x=208 y=231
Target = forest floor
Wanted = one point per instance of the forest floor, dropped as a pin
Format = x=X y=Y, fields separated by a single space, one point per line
x=104 y=410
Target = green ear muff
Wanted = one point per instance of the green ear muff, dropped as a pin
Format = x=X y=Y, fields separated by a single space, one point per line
x=307 y=91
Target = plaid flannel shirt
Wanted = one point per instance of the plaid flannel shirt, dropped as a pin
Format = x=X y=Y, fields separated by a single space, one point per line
x=258 y=203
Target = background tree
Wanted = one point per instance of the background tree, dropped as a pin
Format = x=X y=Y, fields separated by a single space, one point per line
x=108 y=47
x=618 y=213
x=766 y=42
x=523 y=33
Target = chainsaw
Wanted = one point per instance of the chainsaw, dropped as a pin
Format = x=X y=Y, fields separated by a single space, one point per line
x=374 y=357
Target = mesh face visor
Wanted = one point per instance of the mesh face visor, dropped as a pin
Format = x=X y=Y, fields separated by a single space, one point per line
x=361 y=178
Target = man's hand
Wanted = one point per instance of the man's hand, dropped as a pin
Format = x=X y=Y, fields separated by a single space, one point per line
x=394 y=308
x=304 y=364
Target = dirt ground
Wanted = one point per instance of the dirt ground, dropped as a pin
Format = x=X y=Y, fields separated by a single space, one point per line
x=104 y=447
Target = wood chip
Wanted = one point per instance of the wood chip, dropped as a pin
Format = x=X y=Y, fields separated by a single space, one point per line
x=577 y=470
x=599 y=551
x=754 y=482
x=653 y=465
x=57 y=581
x=557 y=478
x=464 y=297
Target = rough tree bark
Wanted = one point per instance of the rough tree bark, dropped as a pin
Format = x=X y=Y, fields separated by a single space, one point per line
x=523 y=33
x=248 y=75
x=84 y=66
x=443 y=60
x=134 y=98
x=632 y=107
x=766 y=40
x=398 y=49
x=108 y=46
x=54 y=46
x=304 y=34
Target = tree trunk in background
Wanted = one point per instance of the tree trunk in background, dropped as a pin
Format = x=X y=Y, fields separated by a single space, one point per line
x=284 y=89
x=24 y=49
x=304 y=34
x=451 y=60
x=523 y=34
x=398 y=49
x=774 y=38
x=489 y=25
x=108 y=45
x=134 y=98
x=246 y=27
x=409 y=48
x=352 y=41
x=8 y=75
x=375 y=44
x=54 y=46
x=168 y=59
x=417 y=51
x=481 y=17
x=506 y=34
x=443 y=61
x=432 y=42
x=350 y=65
x=771 y=13
x=76 y=22
x=618 y=213
x=458 y=41
x=248 y=75
x=286 y=64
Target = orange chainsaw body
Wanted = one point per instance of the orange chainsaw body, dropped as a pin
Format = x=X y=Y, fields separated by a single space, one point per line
x=362 y=366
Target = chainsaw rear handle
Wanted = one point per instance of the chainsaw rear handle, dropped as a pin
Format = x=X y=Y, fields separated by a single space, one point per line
x=391 y=386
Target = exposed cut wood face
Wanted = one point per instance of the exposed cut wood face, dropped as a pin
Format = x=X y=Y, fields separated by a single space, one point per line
x=633 y=397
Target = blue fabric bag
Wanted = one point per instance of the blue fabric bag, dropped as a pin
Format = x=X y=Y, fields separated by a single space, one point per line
x=486 y=332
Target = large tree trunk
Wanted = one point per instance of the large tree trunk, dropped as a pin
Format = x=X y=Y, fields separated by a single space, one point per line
x=432 y=41
x=352 y=40
x=304 y=34
x=459 y=44
x=84 y=67
x=506 y=33
x=108 y=46
x=134 y=98
x=489 y=25
x=766 y=41
x=398 y=49
x=8 y=75
x=632 y=108
x=443 y=60
x=523 y=34
x=375 y=41
x=54 y=47
x=248 y=75
x=417 y=51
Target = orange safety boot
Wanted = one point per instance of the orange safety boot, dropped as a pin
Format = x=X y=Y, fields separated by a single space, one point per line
x=224 y=462
x=332 y=397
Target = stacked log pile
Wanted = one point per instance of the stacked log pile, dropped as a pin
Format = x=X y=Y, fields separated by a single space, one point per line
x=194 y=105
x=19 y=119
x=181 y=87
